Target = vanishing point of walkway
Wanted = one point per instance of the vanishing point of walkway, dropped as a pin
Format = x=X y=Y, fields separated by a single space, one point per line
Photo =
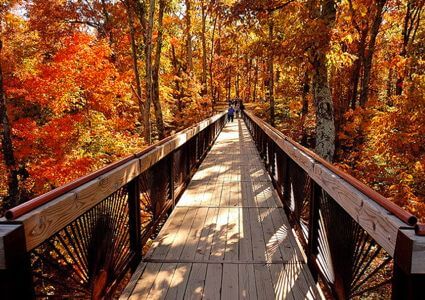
x=228 y=237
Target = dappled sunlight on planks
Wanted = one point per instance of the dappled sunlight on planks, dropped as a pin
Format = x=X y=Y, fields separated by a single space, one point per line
x=228 y=236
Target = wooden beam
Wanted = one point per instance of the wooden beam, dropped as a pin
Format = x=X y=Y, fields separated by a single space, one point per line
x=48 y=219
x=378 y=222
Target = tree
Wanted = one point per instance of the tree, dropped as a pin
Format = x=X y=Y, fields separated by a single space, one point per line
x=325 y=127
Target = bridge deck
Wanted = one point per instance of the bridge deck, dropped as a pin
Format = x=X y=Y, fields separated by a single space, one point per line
x=228 y=236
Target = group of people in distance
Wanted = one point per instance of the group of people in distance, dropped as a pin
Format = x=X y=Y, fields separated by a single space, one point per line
x=235 y=107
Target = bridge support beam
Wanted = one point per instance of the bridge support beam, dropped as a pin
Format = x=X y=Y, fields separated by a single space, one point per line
x=409 y=266
x=15 y=269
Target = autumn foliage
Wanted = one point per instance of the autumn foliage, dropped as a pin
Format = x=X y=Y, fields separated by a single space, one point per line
x=87 y=82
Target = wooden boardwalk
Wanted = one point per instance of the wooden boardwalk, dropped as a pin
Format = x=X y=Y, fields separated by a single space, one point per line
x=228 y=236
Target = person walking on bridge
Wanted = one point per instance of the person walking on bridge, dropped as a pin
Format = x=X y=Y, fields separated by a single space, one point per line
x=230 y=114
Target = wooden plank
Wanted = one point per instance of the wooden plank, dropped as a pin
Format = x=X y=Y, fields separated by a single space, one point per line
x=219 y=237
x=196 y=282
x=258 y=244
x=213 y=282
x=288 y=246
x=247 y=288
x=235 y=194
x=194 y=235
x=225 y=194
x=143 y=286
x=248 y=198
x=245 y=242
x=381 y=226
x=281 y=284
x=133 y=281
x=12 y=241
x=181 y=236
x=193 y=194
x=272 y=238
x=232 y=235
x=263 y=282
x=167 y=235
x=179 y=281
x=207 y=234
x=46 y=220
x=412 y=251
x=216 y=194
x=230 y=285
x=162 y=282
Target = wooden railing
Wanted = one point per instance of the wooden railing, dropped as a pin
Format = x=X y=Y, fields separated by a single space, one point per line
x=357 y=243
x=80 y=241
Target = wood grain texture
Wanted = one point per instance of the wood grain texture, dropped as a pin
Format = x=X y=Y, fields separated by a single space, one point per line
x=375 y=220
x=227 y=235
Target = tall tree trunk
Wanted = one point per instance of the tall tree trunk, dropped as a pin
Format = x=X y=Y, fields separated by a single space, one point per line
x=254 y=94
x=213 y=97
x=13 y=197
x=178 y=73
x=270 y=73
x=229 y=83
x=237 y=92
x=149 y=79
x=249 y=79
x=325 y=125
x=189 y=54
x=304 y=110
x=411 y=24
x=355 y=76
x=204 y=50
x=107 y=24
x=156 y=100
x=367 y=67
x=134 y=58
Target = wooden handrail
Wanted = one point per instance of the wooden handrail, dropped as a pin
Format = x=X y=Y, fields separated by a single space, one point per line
x=402 y=214
x=304 y=180
x=26 y=207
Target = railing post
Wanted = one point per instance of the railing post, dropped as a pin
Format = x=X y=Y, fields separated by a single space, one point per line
x=135 y=220
x=172 y=175
x=313 y=229
x=15 y=267
x=409 y=266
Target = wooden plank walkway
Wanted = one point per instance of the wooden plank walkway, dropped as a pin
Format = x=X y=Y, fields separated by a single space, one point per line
x=228 y=236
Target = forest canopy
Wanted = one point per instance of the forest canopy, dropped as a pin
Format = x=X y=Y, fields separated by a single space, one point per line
x=85 y=82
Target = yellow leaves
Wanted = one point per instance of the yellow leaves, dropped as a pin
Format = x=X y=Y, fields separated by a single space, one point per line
x=363 y=10
x=419 y=167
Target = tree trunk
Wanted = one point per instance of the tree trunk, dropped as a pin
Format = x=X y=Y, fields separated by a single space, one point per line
x=325 y=125
x=149 y=79
x=204 y=50
x=156 y=100
x=304 y=110
x=367 y=67
x=356 y=69
x=270 y=73
x=177 y=72
x=229 y=83
x=254 y=95
x=134 y=58
x=410 y=27
x=189 y=54
x=213 y=97
x=13 y=197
